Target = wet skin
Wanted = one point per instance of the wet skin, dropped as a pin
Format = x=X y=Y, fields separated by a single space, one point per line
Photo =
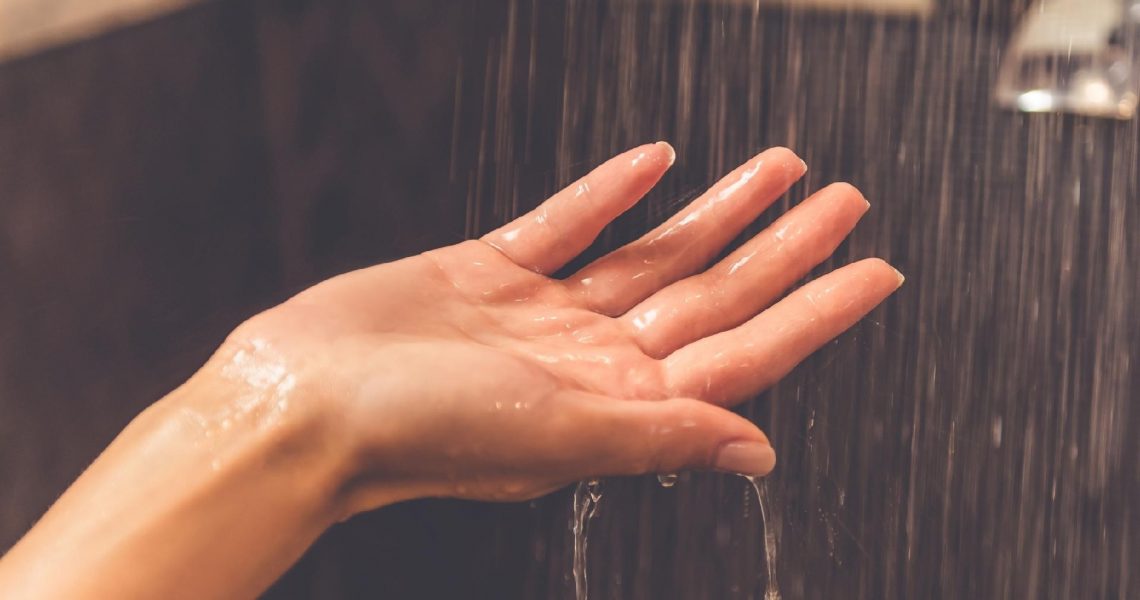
x=467 y=372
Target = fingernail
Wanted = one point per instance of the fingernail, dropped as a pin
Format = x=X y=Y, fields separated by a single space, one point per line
x=858 y=192
x=672 y=152
x=901 y=277
x=804 y=166
x=746 y=458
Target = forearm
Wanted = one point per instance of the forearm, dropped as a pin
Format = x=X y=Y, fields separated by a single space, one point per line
x=211 y=493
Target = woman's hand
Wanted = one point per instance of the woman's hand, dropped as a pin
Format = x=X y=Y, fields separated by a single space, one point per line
x=468 y=371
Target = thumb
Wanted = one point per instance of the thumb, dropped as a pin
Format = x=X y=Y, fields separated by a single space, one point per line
x=632 y=437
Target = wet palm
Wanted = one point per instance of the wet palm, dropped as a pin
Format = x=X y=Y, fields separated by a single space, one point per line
x=465 y=371
x=468 y=371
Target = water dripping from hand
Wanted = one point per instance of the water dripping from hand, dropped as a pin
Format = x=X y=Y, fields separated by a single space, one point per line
x=586 y=498
x=588 y=494
x=772 y=592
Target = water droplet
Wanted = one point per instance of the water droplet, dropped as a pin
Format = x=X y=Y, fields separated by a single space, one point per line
x=667 y=480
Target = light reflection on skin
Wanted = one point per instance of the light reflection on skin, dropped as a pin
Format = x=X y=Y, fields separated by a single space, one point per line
x=782 y=232
x=552 y=359
x=583 y=337
x=265 y=388
x=740 y=263
x=645 y=319
x=725 y=194
x=263 y=373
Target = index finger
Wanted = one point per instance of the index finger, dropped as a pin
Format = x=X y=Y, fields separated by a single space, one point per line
x=560 y=228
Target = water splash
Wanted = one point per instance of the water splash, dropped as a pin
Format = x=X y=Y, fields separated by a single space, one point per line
x=586 y=498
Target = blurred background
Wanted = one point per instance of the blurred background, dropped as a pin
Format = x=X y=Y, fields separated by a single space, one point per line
x=170 y=167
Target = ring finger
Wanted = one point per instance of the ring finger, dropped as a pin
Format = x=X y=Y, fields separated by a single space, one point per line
x=750 y=278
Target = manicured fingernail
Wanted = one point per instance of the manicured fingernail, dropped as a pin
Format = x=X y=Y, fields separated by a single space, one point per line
x=672 y=152
x=901 y=277
x=746 y=458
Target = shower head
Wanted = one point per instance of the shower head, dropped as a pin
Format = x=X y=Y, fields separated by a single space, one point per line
x=1076 y=56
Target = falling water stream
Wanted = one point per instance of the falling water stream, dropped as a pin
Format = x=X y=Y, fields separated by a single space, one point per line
x=760 y=488
x=588 y=496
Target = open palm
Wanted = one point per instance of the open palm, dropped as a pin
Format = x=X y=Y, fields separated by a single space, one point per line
x=469 y=371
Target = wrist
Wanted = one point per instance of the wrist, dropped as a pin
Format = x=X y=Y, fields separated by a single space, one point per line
x=295 y=405
x=218 y=470
x=250 y=413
